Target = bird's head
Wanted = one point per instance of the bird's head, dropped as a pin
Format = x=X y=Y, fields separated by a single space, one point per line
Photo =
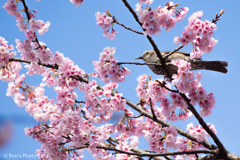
x=146 y=55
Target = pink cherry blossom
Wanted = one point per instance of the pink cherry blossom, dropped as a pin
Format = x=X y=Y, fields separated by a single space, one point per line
x=198 y=33
x=107 y=69
x=155 y=19
x=105 y=22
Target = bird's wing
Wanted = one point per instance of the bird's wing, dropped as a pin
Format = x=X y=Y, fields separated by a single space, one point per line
x=184 y=53
x=165 y=53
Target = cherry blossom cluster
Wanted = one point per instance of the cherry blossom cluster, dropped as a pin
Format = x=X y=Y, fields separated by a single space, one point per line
x=63 y=119
x=38 y=24
x=124 y=145
x=5 y=52
x=100 y=134
x=11 y=7
x=34 y=101
x=157 y=93
x=187 y=145
x=106 y=67
x=105 y=21
x=199 y=33
x=101 y=103
x=160 y=139
x=162 y=17
x=198 y=132
x=40 y=52
x=50 y=148
x=186 y=83
x=11 y=72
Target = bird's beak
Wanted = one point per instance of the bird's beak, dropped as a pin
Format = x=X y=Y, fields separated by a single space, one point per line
x=139 y=57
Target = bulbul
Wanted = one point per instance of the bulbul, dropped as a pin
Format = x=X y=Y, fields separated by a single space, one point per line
x=150 y=56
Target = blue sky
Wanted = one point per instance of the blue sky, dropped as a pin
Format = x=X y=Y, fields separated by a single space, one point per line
x=74 y=32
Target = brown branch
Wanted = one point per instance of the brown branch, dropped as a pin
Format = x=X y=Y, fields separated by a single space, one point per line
x=29 y=17
x=167 y=158
x=175 y=50
x=145 y=154
x=135 y=116
x=132 y=11
x=162 y=84
x=217 y=17
x=154 y=116
x=166 y=124
x=170 y=89
x=230 y=156
x=115 y=21
x=55 y=66
x=109 y=141
x=26 y=9
x=79 y=101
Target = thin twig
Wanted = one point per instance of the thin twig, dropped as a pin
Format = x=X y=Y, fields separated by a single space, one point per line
x=163 y=84
x=217 y=18
x=154 y=116
x=115 y=21
x=29 y=18
x=26 y=9
x=79 y=101
x=145 y=154
x=175 y=50
x=84 y=115
x=109 y=141
x=55 y=66
x=136 y=116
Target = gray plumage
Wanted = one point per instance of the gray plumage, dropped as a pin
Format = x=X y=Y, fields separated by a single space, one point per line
x=196 y=63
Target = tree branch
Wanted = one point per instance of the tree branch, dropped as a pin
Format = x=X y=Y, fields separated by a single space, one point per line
x=217 y=17
x=154 y=116
x=115 y=21
x=79 y=101
x=175 y=50
x=145 y=154
x=29 y=17
x=55 y=66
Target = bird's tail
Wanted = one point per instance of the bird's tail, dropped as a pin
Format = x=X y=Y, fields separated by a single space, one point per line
x=219 y=66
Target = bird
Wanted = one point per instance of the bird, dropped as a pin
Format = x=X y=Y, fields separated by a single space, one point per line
x=150 y=56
